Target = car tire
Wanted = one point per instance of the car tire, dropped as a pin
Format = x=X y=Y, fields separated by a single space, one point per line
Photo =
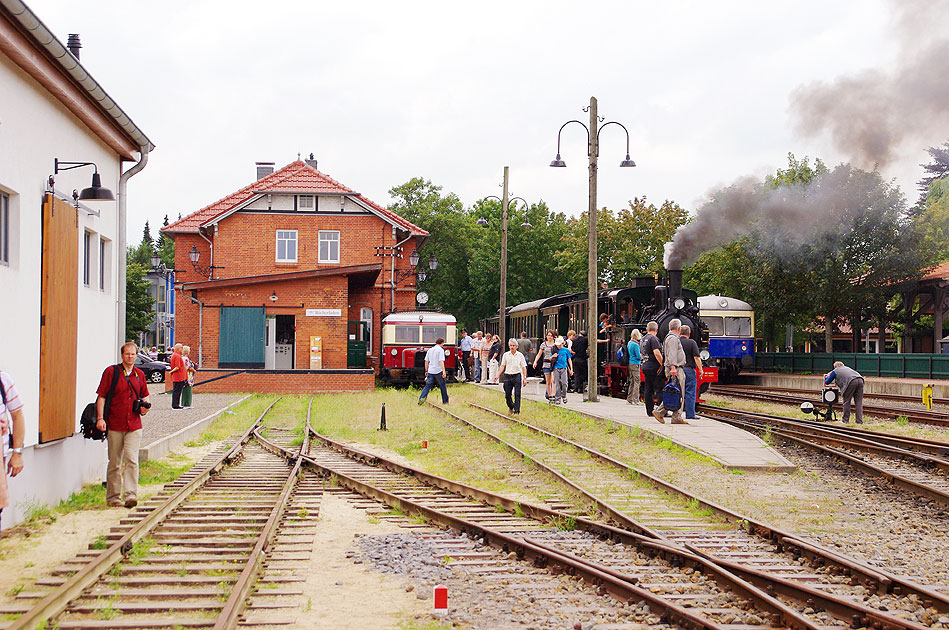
x=157 y=376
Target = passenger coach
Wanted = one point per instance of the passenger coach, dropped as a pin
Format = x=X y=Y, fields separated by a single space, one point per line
x=731 y=333
x=406 y=338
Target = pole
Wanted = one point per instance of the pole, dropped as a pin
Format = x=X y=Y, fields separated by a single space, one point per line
x=592 y=314
x=502 y=328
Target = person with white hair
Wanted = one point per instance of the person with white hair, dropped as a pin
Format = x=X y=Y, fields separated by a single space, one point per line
x=514 y=375
x=850 y=383
x=674 y=363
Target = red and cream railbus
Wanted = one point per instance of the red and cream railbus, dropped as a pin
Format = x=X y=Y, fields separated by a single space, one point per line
x=406 y=338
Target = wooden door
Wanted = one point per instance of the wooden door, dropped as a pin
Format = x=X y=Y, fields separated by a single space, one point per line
x=242 y=335
x=58 y=320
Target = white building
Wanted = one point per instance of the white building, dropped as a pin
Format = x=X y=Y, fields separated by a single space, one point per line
x=62 y=310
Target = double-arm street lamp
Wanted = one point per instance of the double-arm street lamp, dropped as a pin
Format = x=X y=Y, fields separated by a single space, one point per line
x=593 y=152
x=420 y=274
x=505 y=201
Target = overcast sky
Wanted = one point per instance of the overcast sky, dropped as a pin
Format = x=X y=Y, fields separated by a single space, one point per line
x=384 y=91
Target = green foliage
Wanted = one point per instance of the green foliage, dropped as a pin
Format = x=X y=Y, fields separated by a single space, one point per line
x=934 y=219
x=629 y=242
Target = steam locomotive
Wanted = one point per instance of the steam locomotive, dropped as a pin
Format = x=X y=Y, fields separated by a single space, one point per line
x=629 y=308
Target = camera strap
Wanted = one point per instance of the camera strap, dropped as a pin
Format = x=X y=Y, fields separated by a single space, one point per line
x=136 y=394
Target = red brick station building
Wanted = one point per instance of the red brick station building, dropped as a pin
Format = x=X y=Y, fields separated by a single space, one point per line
x=283 y=284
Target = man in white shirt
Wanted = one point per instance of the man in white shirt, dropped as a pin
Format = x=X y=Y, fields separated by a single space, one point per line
x=476 y=351
x=435 y=371
x=514 y=375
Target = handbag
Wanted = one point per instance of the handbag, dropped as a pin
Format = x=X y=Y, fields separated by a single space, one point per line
x=671 y=394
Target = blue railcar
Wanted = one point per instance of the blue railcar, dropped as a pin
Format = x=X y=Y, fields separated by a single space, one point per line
x=731 y=333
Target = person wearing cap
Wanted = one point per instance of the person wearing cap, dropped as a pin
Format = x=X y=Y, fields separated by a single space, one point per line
x=562 y=362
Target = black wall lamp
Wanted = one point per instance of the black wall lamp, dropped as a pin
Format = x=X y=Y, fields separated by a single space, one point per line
x=420 y=274
x=95 y=192
x=194 y=256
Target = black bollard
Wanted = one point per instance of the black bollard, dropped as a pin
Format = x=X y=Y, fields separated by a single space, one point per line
x=382 y=420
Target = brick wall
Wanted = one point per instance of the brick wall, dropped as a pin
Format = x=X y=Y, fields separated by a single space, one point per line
x=245 y=245
x=283 y=382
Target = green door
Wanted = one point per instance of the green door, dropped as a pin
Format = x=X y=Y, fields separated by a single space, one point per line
x=358 y=334
x=241 y=343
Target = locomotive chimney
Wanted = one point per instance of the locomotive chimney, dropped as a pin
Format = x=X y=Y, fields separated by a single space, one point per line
x=675 y=283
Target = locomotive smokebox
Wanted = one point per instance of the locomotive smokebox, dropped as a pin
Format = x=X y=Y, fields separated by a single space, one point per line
x=675 y=283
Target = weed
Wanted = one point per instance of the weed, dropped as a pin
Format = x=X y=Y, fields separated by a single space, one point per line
x=564 y=524
x=421 y=519
x=372 y=520
x=164 y=470
x=139 y=550
x=499 y=509
x=303 y=513
x=518 y=510
x=29 y=564
x=902 y=421
x=101 y=542
x=15 y=590
x=766 y=436
x=309 y=604
x=109 y=611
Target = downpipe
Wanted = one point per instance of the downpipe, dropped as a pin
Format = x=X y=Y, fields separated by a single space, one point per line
x=121 y=297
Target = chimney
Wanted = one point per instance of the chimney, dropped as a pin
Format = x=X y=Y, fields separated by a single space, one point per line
x=73 y=44
x=264 y=169
x=675 y=283
x=311 y=161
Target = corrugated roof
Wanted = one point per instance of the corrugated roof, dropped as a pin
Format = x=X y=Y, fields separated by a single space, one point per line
x=296 y=177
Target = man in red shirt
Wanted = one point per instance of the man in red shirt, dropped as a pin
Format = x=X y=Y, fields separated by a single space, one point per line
x=179 y=376
x=125 y=426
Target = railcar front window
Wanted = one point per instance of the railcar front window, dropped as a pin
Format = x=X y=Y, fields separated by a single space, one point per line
x=738 y=326
x=431 y=333
x=406 y=334
x=715 y=328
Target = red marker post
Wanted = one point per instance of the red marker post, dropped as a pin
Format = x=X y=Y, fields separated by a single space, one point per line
x=424 y=445
x=441 y=600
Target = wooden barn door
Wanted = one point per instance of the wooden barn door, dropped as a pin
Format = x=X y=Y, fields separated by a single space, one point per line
x=58 y=320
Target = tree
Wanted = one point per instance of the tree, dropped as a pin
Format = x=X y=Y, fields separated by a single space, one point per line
x=933 y=221
x=139 y=309
x=935 y=170
x=147 y=235
x=629 y=243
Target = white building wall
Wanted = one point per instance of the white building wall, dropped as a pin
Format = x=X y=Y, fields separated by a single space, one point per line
x=34 y=129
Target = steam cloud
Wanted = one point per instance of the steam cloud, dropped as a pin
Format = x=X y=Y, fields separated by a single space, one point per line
x=791 y=215
x=870 y=116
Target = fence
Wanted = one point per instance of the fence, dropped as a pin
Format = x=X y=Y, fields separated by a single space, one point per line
x=934 y=366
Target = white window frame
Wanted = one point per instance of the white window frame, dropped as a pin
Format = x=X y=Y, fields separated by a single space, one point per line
x=329 y=259
x=87 y=258
x=365 y=315
x=4 y=228
x=285 y=236
x=309 y=208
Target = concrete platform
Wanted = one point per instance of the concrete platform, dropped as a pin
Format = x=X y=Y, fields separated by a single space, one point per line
x=872 y=384
x=165 y=429
x=729 y=446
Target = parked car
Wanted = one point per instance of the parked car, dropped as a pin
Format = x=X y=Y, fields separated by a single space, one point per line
x=154 y=370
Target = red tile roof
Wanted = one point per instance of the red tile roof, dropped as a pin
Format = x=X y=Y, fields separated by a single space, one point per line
x=296 y=177
x=939 y=272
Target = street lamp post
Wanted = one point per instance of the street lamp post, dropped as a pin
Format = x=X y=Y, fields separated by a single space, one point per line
x=593 y=151
x=505 y=200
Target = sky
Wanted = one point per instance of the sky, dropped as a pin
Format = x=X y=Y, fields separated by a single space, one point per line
x=381 y=92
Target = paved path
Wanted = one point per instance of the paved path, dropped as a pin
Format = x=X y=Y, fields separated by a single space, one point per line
x=163 y=422
x=728 y=445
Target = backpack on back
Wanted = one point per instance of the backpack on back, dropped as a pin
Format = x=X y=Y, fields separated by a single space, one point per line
x=671 y=394
x=622 y=354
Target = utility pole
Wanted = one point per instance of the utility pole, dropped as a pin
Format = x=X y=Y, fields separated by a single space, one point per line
x=502 y=327
x=592 y=288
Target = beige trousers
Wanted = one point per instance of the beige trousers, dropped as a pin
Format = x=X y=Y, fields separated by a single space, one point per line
x=123 y=449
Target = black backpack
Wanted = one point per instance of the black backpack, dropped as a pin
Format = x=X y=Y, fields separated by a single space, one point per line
x=622 y=354
x=87 y=422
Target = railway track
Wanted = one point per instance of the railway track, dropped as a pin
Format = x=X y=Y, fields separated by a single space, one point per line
x=218 y=548
x=901 y=461
x=811 y=577
x=803 y=391
x=913 y=415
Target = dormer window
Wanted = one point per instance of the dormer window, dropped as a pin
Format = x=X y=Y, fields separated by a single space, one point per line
x=305 y=202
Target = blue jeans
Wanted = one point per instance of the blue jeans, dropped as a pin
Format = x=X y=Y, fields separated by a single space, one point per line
x=477 y=367
x=430 y=380
x=690 y=386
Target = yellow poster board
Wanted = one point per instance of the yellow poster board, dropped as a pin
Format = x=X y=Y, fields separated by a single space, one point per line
x=316 y=353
